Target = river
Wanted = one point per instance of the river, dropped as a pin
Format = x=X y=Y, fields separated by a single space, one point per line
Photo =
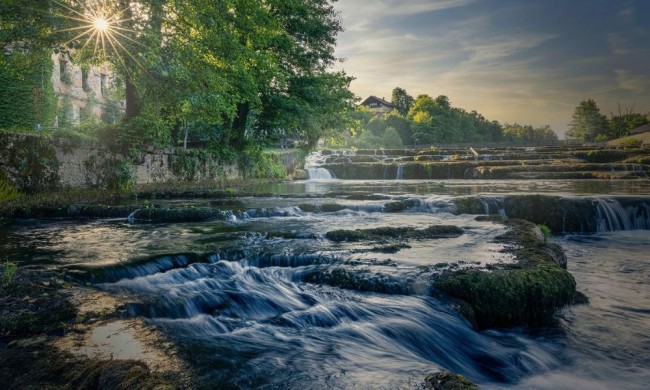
x=239 y=299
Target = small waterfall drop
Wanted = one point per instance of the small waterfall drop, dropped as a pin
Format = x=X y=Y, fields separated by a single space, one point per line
x=612 y=216
x=400 y=172
x=313 y=167
x=493 y=206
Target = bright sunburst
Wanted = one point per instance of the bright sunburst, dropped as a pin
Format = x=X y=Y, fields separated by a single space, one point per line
x=101 y=24
x=99 y=28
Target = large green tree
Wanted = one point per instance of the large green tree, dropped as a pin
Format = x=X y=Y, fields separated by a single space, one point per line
x=587 y=122
x=234 y=71
x=402 y=100
x=621 y=123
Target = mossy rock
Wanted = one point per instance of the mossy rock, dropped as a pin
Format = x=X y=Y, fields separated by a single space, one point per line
x=185 y=214
x=358 y=280
x=116 y=374
x=29 y=162
x=323 y=208
x=603 y=156
x=383 y=233
x=445 y=380
x=524 y=294
x=136 y=267
x=394 y=207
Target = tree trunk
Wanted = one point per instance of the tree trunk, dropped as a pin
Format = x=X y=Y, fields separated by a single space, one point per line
x=132 y=103
x=239 y=125
x=186 y=133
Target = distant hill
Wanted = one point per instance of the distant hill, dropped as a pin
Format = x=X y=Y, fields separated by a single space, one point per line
x=643 y=137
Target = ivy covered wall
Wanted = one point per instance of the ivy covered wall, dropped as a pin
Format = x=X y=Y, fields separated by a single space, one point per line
x=26 y=95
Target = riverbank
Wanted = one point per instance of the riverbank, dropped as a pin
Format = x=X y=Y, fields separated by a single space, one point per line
x=54 y=335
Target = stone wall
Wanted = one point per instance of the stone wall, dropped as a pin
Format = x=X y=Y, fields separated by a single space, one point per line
x=82 y=87
x=35 y=163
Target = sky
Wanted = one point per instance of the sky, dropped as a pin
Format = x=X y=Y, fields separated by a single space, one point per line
x=524 y=61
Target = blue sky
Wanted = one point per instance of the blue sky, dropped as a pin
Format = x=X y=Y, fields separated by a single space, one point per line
x=521 y=61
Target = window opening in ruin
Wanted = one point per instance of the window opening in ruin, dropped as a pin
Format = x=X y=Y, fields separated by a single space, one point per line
x=63 y=65
x=104 y=80
x=84 y=79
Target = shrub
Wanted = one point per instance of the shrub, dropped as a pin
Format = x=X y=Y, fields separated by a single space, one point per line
x=631 y=143
x=8 y=272
x=546 y=231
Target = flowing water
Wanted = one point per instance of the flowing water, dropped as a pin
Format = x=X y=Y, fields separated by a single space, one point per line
x=241 y=299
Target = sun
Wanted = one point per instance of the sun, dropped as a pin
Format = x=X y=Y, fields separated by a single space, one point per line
x=99 y=28
x=101 y=24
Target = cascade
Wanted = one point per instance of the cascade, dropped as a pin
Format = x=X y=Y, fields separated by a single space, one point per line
x=400 y=172
x=493 y=206
x=611 y=215
x=313 y=168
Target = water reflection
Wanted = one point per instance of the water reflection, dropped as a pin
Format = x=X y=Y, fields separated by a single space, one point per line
x=460 y=187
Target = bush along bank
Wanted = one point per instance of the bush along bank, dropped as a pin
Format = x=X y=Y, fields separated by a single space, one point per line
x=526 y=293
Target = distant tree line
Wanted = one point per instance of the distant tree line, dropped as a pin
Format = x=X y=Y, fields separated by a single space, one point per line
x=589 y=125
x=426 y=121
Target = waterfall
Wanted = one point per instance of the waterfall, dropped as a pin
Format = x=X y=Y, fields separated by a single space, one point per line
x=319 y=174
x=612 y=216
x=313 y=167
x=493 y=206
x=400 y=172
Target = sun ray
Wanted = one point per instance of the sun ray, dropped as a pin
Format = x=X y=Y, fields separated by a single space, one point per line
x=90 y=38
x=84 y=17
x=102 y=30
x=99 y=34
x=78 y=36
x=75 y=28
x=128 y=38
x=135 y=60
x=103 y=45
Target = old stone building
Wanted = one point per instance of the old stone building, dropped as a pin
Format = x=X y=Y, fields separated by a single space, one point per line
x=83 y=90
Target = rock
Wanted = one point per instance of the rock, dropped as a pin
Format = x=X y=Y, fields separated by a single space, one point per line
x=445 y=380
x=32 y=342
x=524 y=294
x=383 y=233
x=300 y=174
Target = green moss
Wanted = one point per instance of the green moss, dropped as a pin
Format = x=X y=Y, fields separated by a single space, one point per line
x=187 y=164
x=8 y=271
x=115 y=374
x=602 y=156
x=447 y=381
x=112 y=173
x=28 y=162
x=469 y=205
x=7 y=190
x=528 y=293
x=331 y=207
x=359 y=280
x=393 y=248
x=394 y=207
x=435 y=231
x=546 y=231
x=183 y=214
x=27 y=95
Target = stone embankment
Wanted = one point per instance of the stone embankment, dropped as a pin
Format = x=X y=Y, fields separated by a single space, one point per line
x=34 y=163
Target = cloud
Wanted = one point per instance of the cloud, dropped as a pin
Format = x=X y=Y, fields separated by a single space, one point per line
x=361 y=16
x=511 y=61
x=632 y=82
